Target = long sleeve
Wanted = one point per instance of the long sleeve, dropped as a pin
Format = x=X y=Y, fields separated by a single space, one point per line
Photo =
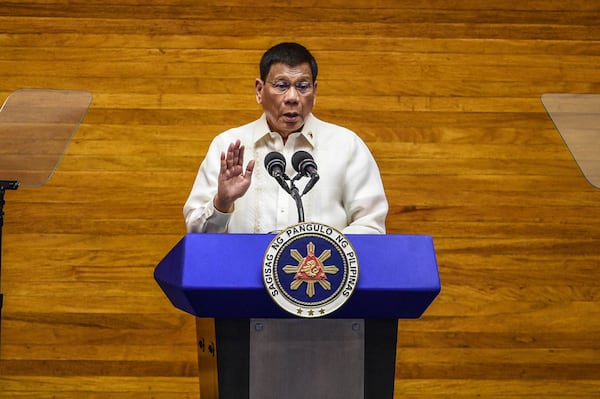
x=199 y=212
x=350 y=193
x=364 y=196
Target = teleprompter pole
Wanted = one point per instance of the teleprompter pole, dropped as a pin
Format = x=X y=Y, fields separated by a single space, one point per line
x=4 y=185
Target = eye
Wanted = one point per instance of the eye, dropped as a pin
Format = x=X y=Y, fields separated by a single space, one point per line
x=303 y=86
x=281 y=85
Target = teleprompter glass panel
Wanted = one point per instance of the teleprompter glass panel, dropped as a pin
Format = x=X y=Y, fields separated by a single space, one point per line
x=36 y=127
x=577 y=119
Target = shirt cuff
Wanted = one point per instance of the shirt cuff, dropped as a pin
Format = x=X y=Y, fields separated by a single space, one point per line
x=217 y=221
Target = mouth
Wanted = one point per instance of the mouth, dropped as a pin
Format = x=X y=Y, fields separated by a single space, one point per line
x=291 y=116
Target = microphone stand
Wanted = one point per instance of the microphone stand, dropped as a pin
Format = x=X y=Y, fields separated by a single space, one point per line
x=298 y=198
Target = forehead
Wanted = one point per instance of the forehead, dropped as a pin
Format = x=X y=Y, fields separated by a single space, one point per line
x=281 y=70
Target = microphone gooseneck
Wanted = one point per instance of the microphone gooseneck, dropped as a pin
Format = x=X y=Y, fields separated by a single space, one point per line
x=275 y=165
x=305 y=165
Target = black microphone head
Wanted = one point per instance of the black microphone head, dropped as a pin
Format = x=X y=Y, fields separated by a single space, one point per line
x=302 y=162
x=275 y=163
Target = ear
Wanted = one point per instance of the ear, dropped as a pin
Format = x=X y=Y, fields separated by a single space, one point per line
x=258 y=86
x=315 y=93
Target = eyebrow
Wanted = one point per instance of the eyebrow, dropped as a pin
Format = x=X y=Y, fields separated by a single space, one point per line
x=285 y=77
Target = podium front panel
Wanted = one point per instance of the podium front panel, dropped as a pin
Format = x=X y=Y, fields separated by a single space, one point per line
x=220 y=276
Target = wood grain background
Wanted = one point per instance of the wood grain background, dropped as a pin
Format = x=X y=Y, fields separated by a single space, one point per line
x=445 y=93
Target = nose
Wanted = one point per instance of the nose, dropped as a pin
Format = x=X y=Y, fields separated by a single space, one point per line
x=292 y=95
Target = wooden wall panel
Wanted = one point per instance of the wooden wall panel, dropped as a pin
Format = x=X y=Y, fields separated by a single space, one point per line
x=447 y=96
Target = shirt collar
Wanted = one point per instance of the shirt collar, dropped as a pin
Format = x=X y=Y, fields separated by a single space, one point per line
x=261 y=129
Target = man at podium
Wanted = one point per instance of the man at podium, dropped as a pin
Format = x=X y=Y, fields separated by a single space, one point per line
x=231 y=193
x=291 y=334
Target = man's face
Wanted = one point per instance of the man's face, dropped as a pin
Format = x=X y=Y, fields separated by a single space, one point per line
x=287 y=97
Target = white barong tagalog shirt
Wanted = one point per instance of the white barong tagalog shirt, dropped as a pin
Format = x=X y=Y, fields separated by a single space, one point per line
x=349 y=195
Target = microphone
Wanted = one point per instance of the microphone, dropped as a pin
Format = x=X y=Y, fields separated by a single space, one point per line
x=275 y=164
x=305 y=165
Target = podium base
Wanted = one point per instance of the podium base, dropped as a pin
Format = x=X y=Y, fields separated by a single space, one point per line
x=293 y=358
x=296 y=359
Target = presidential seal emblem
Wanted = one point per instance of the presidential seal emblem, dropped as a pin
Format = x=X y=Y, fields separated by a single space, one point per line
x=310 y=269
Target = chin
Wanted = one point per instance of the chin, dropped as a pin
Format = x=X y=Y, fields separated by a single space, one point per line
x=291 y=127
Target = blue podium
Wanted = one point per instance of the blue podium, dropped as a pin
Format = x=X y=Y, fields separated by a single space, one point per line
x=250 y=348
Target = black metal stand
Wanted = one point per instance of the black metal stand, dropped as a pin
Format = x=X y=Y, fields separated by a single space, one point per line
x=4 y=185
x=298 y=198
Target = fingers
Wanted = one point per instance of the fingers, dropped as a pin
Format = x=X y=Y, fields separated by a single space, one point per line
x=232 y=162
x=230 y=155
x=230 y=158
x=250 y=168
x=233 y=181
x=235 y=155
x=240 y=154
x=226 y=164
